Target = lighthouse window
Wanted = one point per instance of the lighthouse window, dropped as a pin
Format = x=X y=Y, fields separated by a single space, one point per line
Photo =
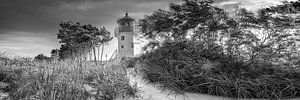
x=122 y=37
x=122 y=46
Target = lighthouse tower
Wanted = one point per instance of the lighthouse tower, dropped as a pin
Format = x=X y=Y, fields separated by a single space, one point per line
x=125 y=32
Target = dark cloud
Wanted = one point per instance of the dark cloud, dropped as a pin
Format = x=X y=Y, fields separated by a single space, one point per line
x=33 y=14
x=41 y=15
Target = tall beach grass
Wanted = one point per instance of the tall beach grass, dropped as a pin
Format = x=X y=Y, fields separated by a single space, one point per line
x=63 y=80
x=187 y=69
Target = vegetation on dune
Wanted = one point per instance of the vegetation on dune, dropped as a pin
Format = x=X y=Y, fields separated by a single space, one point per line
x=67 y=80
x=196 y=47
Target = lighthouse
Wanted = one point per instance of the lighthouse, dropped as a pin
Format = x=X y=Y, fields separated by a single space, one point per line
x=124 y=33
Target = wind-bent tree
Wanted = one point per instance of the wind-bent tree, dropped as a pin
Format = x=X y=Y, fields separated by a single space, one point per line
x=192 y=15
x=78 y=40
x=214 y=28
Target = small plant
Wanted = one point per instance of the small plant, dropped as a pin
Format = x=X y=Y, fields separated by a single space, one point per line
x=131 y=90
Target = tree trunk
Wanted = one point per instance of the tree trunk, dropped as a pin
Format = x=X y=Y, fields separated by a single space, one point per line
x=102 y=51
x=94 y=50
x=84 y=53
x=99 y=52
x=90 y=55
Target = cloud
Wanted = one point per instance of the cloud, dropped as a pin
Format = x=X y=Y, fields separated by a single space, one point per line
x=228 y=3
x=22 y=42
x=252 y=5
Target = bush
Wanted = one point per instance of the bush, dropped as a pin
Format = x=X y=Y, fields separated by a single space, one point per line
x=192 y=67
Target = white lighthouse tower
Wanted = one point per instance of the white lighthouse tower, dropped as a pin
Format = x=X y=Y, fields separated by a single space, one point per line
x=125 y=32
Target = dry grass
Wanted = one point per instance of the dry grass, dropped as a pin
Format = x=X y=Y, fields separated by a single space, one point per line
x=65 y=80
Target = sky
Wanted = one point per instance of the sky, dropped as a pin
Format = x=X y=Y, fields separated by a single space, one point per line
x=29 y=27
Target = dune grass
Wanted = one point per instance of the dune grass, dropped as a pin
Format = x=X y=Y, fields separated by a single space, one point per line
x=64 y=80
x=187 y=69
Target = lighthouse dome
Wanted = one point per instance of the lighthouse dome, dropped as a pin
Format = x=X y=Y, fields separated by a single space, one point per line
x=125 y=21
